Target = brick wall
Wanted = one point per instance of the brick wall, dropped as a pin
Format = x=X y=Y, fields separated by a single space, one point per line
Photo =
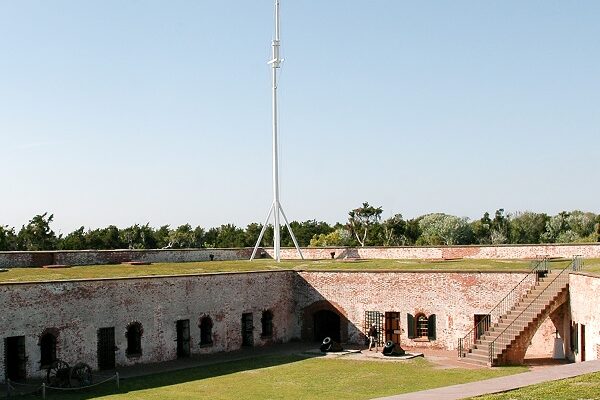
x=448 y=252
x=87 y=257
x=585 y=309
x=77 y=309
x=454 y=297
x=90 y=257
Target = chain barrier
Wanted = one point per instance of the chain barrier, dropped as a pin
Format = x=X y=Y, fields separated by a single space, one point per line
x=12 y=390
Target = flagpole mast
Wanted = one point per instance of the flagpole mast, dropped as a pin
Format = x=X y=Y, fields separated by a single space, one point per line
x=275 y=64
x=276 y=209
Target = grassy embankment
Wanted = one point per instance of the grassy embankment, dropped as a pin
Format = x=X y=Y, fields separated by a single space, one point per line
x=581 y=387
x=192 y=268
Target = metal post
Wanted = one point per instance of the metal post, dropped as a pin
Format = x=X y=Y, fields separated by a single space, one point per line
x=44 y=390
x=8 y=388
x=117 y=374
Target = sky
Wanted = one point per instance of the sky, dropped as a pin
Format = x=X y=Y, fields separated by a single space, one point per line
x=159 y=112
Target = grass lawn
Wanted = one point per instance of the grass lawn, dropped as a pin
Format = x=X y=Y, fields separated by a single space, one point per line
x=581 y=387
x=290 y=377
x=125 y=270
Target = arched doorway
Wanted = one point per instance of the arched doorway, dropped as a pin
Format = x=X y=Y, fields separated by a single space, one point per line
x=326 y=324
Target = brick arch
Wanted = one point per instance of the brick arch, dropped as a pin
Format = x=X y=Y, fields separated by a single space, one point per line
x=323 y=305
x=515 y=354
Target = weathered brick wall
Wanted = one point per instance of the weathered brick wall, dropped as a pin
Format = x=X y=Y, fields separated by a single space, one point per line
x=87 y=257
x=584 y=293
x=448 y=252
x=454 y=297
x=78 y=308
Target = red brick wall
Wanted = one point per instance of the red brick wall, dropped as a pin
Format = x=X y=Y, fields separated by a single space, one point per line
x=454 y=297
x=86 y=257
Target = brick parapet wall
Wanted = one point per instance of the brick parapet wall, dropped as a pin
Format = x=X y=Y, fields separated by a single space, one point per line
x=88 y=257
x=591 y=250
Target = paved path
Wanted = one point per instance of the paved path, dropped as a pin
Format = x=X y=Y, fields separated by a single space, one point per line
x=502 y=384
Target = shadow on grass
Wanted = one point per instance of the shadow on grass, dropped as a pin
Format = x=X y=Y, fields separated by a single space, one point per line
x=169 y=378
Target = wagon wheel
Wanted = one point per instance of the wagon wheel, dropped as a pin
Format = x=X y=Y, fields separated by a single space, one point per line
x=58 y=374
x=81 y=375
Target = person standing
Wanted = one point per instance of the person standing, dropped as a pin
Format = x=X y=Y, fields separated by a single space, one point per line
x=373 y=334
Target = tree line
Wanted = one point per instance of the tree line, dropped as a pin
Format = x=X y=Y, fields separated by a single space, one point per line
x=364 y=227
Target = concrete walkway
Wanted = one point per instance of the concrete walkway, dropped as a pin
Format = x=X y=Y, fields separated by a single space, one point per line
x=502 y=384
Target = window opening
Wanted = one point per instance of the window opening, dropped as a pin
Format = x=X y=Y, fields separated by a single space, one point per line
x=47 y=350
x=267 y=323
x=206 y=326
x=134 y=339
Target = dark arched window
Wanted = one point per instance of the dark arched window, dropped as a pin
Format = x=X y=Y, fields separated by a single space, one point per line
x=421 y=327
x=134 y=339
x=267 y=323
x=206 y=331
x=47 y=349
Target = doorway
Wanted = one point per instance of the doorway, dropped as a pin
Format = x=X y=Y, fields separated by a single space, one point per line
x=392 y=327
x=326 y=324
x=106 y=348
x=15 y=358
x=183 y=338
x=247 y=329
x=481 y=325
x=582 y=342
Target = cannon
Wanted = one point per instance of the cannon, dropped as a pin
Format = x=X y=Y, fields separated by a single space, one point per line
x=61 y=375
x=330 y=345
x=393 y=349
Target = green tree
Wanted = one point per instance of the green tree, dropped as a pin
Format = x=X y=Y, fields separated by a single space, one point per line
x=183 y=237
x=230 y=236
x=362 y=219
x=37 y=235
x=199 y=236
x=8 y=239
x=499 y=232
x=105 y=239
x=527 y=227
x=482 y=229
x=162 y=237
x=75 y=240
x=412 y=233
x=304 y=232
x=339 y=237
x=439 y=228
x=394 y=229
x=138 y=237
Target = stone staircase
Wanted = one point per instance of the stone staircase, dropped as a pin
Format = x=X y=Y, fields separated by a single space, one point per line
x=506 y=340
x=494 y=345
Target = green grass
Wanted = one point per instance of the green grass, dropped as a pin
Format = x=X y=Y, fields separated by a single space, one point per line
x=581 y=387
x=190 y=268
x=290 y=377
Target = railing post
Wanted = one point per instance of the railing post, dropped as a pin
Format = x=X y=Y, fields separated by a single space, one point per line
x=117 y=380
x=44 y=390
x=8 y=388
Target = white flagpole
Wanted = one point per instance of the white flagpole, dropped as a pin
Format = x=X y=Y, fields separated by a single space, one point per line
x=276 y=208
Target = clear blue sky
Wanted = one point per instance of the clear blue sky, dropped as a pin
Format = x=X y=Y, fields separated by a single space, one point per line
x=123 y=112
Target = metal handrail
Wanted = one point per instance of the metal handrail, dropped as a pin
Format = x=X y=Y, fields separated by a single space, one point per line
x=575 y=265
x=466 y=343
